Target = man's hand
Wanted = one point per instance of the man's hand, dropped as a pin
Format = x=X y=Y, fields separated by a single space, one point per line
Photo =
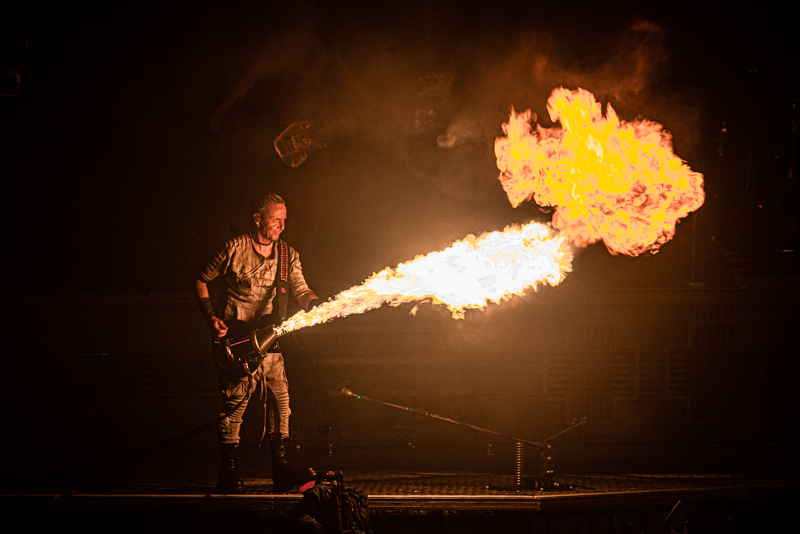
x=308 y=301
x=218 y=327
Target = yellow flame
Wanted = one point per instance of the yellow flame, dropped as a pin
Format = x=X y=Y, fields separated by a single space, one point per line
x=468 y=274
x=608 y=179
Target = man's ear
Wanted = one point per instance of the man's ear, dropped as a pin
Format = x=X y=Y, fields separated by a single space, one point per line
x=257 y=219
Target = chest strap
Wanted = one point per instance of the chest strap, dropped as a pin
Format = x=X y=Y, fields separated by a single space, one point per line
x=283 y=280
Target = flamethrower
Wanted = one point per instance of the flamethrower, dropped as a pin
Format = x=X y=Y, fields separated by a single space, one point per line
x=246 y=349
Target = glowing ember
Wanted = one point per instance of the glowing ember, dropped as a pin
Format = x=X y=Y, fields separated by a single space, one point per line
x=468 y=274
x=608 y=179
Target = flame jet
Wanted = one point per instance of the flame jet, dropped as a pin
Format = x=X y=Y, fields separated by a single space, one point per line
x=468 y=274
x=608 y=179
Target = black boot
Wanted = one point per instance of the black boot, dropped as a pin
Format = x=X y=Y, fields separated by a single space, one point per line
x=229 y=481
x=284 y=476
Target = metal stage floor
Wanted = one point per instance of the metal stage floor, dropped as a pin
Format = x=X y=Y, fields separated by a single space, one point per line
x=170 y=490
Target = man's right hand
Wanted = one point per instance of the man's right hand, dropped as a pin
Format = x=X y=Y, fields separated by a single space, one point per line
x=218 y=327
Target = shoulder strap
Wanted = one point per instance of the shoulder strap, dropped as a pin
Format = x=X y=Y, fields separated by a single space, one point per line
x=283 y=280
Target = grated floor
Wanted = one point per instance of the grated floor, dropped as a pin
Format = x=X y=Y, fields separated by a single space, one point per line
x=193 y=471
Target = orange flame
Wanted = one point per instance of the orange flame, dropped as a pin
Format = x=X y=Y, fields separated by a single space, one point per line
x=468 y=274
x=608 y=179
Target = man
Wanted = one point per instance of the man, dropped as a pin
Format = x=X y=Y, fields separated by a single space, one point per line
x=256 y=270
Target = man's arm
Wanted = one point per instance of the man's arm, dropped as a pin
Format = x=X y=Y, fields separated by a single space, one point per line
x=218 y=327
x=305 y=297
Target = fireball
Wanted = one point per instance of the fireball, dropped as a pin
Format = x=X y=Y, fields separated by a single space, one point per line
x=607 y=179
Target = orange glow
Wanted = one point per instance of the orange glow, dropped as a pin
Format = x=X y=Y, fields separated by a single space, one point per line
x=468 y=274
x=608 y=179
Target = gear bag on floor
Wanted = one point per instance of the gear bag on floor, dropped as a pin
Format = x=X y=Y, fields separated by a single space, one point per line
x=331 y=508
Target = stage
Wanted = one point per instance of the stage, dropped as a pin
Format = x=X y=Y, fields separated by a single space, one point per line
x=171 y=489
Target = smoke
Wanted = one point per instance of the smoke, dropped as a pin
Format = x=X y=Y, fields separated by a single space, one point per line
x=459 y=132
x=434 y=102
x=425 y=82
x=296 y=56
x=637 y=61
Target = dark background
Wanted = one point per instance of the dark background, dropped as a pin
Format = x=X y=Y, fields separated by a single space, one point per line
x=143 y=129
x=123 y=165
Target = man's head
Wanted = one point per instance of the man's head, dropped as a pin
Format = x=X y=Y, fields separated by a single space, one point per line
x=269 y=216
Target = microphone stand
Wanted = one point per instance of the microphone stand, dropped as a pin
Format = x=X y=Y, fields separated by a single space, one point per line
x=544 y=482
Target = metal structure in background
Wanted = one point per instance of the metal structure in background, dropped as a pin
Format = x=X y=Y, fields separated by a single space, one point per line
x=647 y=366
x=544 y=482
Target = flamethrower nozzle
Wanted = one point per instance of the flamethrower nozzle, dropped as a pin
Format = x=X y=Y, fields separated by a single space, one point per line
x=267 y=342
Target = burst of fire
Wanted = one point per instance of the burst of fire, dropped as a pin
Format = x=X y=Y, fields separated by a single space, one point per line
x=609 y=179
x=468 y=274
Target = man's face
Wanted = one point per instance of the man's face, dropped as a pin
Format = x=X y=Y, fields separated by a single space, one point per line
x=271 y=222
